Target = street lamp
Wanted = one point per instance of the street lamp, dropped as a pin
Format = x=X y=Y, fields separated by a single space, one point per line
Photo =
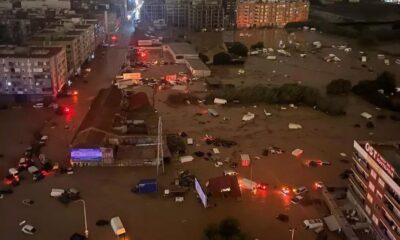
x=84 y=214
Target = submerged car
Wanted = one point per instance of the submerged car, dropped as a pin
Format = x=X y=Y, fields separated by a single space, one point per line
x=300 y=190
x=28 y=229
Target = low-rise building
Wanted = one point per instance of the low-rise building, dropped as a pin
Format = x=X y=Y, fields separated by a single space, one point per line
x=29 y=72
x=118 y=130
x=181 y=51
x=272 y=13
x=185 y=53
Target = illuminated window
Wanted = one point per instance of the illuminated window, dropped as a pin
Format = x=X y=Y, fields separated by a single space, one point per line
x=375 y=219
x=371 y=186
x=369 y=197
x=373 y=173
x=368 y=210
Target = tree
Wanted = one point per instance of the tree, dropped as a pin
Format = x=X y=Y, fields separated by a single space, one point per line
x=291 y=93
x=311 y=96
x=239 y=49
x=221 y=58
x=204 y=58
x=229 y=227
x=387 y=82
x=339 y=87
x=258 y=45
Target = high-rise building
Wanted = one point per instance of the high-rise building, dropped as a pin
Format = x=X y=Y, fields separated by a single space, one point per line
x=271 y=14
x=229 y=7
x=29 y=72
x=374 y=185
x=195 y=15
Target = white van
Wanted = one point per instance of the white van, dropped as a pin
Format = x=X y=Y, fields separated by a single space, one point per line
x=247 y=184
x=13 y=172
x=313 y=223
x=230 y=173
x=213 y=112
x=117 y=227
x=56 y=192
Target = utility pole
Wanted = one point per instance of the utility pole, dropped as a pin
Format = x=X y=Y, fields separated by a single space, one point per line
x=160 y=150
x=292 y=230
x=84 y=215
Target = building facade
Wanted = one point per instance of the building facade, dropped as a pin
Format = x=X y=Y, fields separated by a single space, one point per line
x=196 y=15
x=69 y=43
x=58 y=4
x=374 y=186
x=32 y=71
x=271 y=14
x=79 y=41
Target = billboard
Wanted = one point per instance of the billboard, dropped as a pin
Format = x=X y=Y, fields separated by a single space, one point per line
x=199 y=190
x=134 y=76
x=86 y=154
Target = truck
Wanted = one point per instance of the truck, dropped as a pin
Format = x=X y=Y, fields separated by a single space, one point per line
x=117 y=227
x=247 y=184
x=146 y=186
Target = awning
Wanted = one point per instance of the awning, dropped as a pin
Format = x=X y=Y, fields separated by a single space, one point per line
x=332 y=223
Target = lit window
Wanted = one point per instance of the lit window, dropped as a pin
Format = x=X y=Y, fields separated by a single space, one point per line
x=375 y=219
x=369 y=197
x=371 y=186
x=368 y=210
x=373 y=173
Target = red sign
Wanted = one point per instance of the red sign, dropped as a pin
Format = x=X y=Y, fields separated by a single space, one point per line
x=379 y=159
x=170 y=77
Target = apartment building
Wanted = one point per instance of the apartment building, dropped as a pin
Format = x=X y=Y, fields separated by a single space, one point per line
x=271 y=14
x=80 y=22
x=28 y=72
x=70 y=44
x=57 y=4
x=206 y=16
x=374 y=185
x=229 y=7
x=79 y=41
x=195 y=15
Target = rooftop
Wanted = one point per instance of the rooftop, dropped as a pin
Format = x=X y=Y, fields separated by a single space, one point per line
x=51 y=38
x=29 y=52
x=390 y=152
x=197 y=64
x=111 y=114
x=182 y=48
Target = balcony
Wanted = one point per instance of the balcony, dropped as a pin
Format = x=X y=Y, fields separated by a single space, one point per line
x=392 y=199
x=388 y=208
x=390 y=225
x=362 y=163
x=360 y=176
x=356 y=187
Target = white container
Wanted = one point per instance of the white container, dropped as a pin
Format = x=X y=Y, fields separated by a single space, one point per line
x=56 y=192
x=185 y=159
x=117 y=226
